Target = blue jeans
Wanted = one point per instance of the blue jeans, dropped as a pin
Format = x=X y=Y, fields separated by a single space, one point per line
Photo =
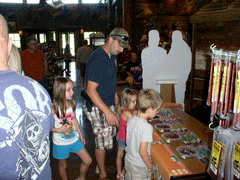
x=121 y=143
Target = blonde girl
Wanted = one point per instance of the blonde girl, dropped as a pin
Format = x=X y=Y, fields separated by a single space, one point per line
x=124 y=111
x=14 y=61
x=66 y=132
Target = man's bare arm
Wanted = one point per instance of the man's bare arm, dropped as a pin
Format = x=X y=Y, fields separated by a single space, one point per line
x=45 y=66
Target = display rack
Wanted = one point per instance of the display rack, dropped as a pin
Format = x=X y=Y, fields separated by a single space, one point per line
x=224 y=88
x=224 y=99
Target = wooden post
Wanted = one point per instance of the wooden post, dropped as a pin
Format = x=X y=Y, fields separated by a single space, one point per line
x=194 y=39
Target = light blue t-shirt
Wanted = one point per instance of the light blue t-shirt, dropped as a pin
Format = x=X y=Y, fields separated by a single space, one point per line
x=25 y=123
x=138 y=130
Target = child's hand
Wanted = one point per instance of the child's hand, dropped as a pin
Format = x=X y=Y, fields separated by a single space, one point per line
x=150 y=169
x=65 y=129
x=179 y=105
x=134 y=113
x=83 y=140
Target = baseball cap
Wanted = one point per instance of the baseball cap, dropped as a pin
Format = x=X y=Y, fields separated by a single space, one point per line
x=122 y=36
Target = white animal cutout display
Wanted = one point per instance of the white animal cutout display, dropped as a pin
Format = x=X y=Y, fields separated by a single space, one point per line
x=153 y=58
x=157 y=64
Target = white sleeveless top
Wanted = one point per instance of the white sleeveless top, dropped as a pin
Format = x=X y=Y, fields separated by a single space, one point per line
x=65 y=139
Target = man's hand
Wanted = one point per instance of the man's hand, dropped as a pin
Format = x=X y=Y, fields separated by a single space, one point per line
x=45 y=65
x=116 y=98
x=112 y=119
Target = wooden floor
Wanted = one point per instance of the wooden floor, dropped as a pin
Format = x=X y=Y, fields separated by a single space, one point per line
x=74 y=161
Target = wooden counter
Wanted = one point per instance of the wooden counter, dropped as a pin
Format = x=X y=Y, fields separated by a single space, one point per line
x=167 y=158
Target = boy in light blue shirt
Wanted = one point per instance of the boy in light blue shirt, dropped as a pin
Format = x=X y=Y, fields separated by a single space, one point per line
x=138 y=163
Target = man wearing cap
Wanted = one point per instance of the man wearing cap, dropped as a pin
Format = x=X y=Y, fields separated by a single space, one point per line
x=101 y=81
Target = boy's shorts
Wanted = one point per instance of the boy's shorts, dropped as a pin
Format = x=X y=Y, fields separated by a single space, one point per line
x=62 y=152
x=121 y=143
x=135 y=172
x=103 y=132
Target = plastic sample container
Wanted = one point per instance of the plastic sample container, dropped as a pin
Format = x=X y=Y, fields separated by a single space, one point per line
x=171 y=137
x=183 y=132
x=163 y=127
x=187 y=152
x=190 y=138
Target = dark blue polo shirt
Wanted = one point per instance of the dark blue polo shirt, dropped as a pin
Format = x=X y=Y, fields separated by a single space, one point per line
x=102 y=70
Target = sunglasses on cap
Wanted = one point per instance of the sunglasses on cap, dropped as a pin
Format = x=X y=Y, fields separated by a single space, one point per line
x=125 y=38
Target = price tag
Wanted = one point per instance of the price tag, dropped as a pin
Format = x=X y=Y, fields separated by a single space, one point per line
x=236 y=159
x=215 y=156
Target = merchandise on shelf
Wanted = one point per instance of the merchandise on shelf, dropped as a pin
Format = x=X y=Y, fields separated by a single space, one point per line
x=187 y=152
x=224 y=88
x=163 y=127
x=171 y=137
x=221 y=161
